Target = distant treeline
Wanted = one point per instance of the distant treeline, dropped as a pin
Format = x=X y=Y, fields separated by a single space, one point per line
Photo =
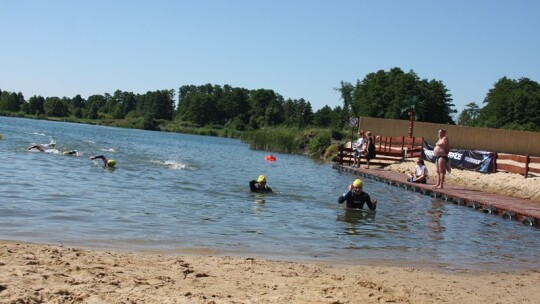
x=510 y=104
x=394 y=94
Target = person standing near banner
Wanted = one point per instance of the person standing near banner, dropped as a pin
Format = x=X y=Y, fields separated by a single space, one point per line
x=441 y=150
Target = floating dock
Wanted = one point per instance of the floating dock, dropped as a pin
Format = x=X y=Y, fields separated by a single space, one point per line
x=525 y=211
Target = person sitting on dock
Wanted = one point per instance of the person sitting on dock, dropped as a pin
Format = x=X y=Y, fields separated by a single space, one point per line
x=107 y=163
x=259 y=185
x=420 y=173
x=356 y=198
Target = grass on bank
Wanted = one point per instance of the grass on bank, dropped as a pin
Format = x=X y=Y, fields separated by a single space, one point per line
x=313 y=142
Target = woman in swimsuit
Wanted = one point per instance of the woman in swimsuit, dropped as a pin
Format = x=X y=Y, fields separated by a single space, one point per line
x=442 y=147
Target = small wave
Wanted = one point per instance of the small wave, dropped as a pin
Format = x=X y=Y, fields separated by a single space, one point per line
x=50 y=151
x=89 y=141
x=173 y=164
x=108 y=150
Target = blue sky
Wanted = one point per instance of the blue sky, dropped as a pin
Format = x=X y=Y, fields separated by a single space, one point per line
x=298 y=48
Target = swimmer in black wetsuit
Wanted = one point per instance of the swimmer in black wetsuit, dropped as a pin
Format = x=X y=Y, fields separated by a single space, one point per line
x=259 y=185
x=37 y=147
x=71 y=152
x=106 y=162
x=356 y=198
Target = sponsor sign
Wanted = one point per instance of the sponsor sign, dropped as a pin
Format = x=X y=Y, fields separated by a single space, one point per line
x=474 y=160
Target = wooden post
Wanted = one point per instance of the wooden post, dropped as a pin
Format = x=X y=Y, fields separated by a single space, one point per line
x=411 y=122
x=340 y=155
x=494 y=162
x=527 y=162
x=403 y=144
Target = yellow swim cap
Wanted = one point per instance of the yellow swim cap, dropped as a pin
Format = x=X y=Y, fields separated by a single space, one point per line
x=357 y=183
x=111 y=162
x=66 y=152
x=261 y=179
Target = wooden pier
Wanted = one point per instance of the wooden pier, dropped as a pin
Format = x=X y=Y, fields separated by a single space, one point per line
x=525 y=211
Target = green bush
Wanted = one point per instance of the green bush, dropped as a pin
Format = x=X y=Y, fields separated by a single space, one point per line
x=331 y=152
x=319 y=143
x=337 y=134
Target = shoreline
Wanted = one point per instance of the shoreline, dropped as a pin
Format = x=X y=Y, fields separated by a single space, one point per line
x=34 y=273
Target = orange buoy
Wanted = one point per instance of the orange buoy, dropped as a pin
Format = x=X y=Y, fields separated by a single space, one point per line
x=270 y=158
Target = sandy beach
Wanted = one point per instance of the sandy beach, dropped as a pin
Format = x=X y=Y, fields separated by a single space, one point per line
x=34 y=273
x=53 y=274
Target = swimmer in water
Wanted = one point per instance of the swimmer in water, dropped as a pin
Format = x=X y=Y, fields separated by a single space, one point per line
x=259 y=185
x=107 y=163
x=71 y=152
x=356 y=198
x=37 y=147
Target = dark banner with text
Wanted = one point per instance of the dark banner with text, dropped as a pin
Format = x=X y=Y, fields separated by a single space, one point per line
x=481 y=161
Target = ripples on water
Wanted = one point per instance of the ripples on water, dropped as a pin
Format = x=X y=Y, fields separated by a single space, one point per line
x=173 y=192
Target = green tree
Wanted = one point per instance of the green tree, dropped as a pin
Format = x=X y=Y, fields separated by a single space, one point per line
x=415 y=107
x=297 y=113
x=439 y=102
x=512 y=104
x=10 y=102
x=129 y=103
x=323 y=117
x=346 y=91
x=95 y=103
x=23 y=105
x=266 y=108
x=36 y=105
x=93 y=110
x=78 y=102
x=469 y=115
x=386 y=94
x=234 y=105
x=202 y=109
x=56 y=107
x=163 y=104
x=370 y=95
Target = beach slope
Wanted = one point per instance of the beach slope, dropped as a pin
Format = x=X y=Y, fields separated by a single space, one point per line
x=32 y=273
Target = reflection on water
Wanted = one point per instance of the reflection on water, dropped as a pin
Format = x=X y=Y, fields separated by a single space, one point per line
x=435 y=212
x=354 y=219
x=174 y=192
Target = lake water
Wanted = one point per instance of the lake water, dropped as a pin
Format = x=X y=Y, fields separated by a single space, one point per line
x=176 y=193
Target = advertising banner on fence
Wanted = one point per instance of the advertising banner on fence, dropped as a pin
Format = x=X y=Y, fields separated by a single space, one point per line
x=481 y=161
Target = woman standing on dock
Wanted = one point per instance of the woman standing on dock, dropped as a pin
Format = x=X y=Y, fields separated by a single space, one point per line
x=369 y=149
x=442 y=147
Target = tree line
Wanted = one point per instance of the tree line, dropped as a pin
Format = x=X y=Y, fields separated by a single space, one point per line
x=510 y=104
x=390 y=94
